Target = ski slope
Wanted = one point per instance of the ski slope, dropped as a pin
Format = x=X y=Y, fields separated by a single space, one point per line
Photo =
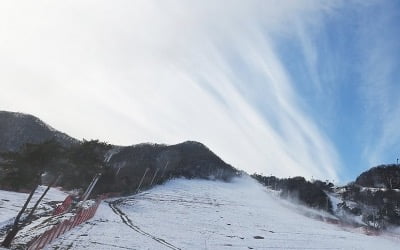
x=201 y=214
x=12 y=202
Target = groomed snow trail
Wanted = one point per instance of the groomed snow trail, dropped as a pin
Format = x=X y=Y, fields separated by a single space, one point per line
x=125 y=219
x=200 y=214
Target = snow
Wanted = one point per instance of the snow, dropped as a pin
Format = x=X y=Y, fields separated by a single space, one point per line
x=335 y=200
x=201 y=214
x=12 y=202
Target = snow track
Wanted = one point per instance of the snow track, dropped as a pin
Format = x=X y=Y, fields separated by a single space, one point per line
x=200 y=214
x=125 y=219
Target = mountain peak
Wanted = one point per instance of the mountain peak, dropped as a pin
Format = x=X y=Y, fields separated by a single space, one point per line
x=17 y=129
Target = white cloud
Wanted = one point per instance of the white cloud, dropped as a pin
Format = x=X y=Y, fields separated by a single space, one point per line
x=166 y=71
x=380 y=48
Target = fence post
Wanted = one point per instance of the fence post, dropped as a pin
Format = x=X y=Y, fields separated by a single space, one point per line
x=64 y=206
x=43 y=240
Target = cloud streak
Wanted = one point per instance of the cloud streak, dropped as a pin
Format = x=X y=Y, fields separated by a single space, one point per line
x=169 y=71
x=380 y=67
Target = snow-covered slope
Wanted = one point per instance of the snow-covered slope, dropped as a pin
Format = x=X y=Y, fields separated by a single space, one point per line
x=200 y=214
x=12 y=202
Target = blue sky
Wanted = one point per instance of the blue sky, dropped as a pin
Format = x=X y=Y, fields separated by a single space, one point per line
x=286 y=88
x=353 y=80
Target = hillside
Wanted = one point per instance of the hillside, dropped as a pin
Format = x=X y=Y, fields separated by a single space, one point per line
x=78 y=161
x=11 y=202
x=374 y=196
x=372 y=201
x=188 y=159
x=201 y=214
x=383 y=176
x=17 y=129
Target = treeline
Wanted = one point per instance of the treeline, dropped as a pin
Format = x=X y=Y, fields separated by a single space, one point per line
x=162 y=162
x=307 y=193
x=383 y=176
x=376 y=193
x=123 y=169
x=374 y=197
x=379 y=207
x=34 y=164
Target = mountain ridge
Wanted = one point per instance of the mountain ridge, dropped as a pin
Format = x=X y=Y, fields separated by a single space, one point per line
x=17 y=129
x=374 y=196
x=124 y=168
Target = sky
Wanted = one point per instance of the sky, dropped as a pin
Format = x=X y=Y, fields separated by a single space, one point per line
x=285 y=88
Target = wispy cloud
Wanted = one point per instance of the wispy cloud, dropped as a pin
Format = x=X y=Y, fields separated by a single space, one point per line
x=168 y=71
x=380 y=49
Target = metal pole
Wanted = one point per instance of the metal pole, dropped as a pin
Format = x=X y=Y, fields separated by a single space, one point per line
x=154 y=176
x=92 y=186
x=41 y=198
x=117 y=171
x=141 y=181
x=165 y=167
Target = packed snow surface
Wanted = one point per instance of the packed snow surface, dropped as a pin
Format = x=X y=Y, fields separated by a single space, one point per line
x=12 y=202
x=201 y=214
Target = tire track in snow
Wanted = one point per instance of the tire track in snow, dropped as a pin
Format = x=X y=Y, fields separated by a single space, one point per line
x=125 y=219
x=111 y=245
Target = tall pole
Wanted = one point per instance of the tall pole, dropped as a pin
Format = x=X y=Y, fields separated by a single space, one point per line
x=41 y=198
x=16 y=227
x=91 y=186
x=154 y=176
x=141 y=181
x=117 y=171
x=165 y=167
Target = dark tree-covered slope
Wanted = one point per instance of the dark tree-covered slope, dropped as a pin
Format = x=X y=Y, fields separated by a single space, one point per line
x=383 y=176
x=17 y=129
x=188 y=159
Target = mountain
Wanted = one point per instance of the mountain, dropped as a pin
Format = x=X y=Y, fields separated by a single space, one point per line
x=374 y=197
x=372 y=200
x=148 y=164
x=17 y=129
x=383 y=176
x=194 y=214
x=125 y=166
